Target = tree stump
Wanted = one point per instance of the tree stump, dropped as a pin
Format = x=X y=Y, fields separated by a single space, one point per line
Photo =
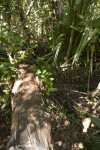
x=30 y=124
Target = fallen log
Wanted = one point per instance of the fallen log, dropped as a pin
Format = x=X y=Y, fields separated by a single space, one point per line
x=30 y=124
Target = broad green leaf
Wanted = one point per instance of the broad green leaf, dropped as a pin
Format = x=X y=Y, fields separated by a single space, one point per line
x=6 y=91
x=44 y=71
x=95 y=120
x=51 y=79
x=38 y=72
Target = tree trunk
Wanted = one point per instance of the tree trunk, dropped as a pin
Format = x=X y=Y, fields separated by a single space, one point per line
x=30 y=124
x=24 y=21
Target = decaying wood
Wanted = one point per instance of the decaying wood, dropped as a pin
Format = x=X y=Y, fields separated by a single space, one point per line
x=30 y=124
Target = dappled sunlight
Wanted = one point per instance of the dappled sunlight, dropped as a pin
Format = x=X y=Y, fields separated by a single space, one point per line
x=16 y=86
x=77 y=146
x=74 y=104
x=50 y=74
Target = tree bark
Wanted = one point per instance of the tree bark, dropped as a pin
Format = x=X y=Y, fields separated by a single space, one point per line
x=30 y=124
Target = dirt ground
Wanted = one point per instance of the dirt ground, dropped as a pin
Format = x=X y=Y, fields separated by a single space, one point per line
x=70 y=103
x=67 y=107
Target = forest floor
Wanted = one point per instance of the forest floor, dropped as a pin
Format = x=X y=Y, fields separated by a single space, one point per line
x=71 y=102
x=67 y=107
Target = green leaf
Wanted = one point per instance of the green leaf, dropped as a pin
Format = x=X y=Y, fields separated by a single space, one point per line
x=95 y=120
x=38 y=72
x=50 y=38
x=6 y=91
x=22 y=55
x=52 y=89
x=3 y=106
x=51 y=79
x=44 y=71
x=42 y=76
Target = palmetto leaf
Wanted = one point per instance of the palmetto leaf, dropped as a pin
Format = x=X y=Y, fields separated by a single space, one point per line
x=57 y=50
x=82 y=43
x=60 y=38
x=95 y=120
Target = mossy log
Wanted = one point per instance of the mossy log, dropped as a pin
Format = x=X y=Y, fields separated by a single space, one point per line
x=30 y=124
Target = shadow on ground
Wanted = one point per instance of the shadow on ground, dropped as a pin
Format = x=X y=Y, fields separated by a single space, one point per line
x=68 y=106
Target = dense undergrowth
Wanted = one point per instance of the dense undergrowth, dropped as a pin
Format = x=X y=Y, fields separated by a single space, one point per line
x=68 y=107
x=61 y=41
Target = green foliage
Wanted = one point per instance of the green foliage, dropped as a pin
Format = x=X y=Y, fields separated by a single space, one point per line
x=75 y=34
x=4 y=98
x=45 y=74
x=12 y=42
x=71 y=29
x=7 y=72
x=82 y=44
x=95 y=121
